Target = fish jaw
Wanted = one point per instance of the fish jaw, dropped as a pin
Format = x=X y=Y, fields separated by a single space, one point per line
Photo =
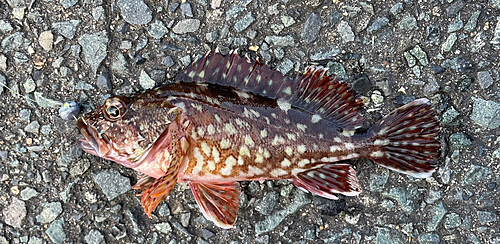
x=91 y=142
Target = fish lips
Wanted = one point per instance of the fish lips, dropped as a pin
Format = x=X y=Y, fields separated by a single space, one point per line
x=91 y=142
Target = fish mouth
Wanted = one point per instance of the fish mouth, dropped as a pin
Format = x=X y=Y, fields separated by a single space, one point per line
x=89 y=143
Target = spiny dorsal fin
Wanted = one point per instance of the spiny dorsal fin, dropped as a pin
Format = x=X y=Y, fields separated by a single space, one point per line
x=315 y=91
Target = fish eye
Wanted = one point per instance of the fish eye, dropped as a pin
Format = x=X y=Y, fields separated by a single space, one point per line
x=113 y=111
x=115 y=108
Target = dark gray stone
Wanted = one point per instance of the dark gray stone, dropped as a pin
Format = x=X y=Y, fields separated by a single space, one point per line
x=186 y=10
x=168 y=61
x=486 y=113
x=56 y=231
x=437 y=213
x=428 y=238
x=94 y=48
x=377 y=182
x=206 y=234
x=386 y=235
x=157 y=29
x=486 y=217
x=94 y=237
x=32 y=127
x=15 y=41
x=244 y=23
x=408 y=23
x=112 y=183
x=459 y=141
x=345 y=31
x=405 y=197
x=268 y=203
x=457 y=24
x=484 y=78
x=135 y=12
x=285 y=66
x=475 y=174
x=67 y=28
x=454 y=8
x=449 y=115
x=67 y=3
x=49 y=213
x=104 y=81
x=325 y=53
x=281 y=41
x=452 y=221
x=186 y=26
x=378 y=24
x=311 y=28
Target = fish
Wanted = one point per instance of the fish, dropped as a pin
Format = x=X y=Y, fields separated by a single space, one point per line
x=226 y=119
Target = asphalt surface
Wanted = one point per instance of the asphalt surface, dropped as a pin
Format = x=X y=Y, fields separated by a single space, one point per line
x=390 y=51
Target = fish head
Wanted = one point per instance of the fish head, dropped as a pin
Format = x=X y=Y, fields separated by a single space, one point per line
x=125 y=130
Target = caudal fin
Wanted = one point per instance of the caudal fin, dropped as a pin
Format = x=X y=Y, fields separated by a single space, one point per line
x=407 y=141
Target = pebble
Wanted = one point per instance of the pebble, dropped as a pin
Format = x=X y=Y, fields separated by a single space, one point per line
x=325 y=53
x=56 y=231
x=386 y=235
x=459 y=141
x=428 y=238
x=486 y=217
x=4 y=155
x=35 y=240
x=454 y=8
x=475 y=174
x=404 y=197
x=32 y=127
x=448 y=44
x=157 y=29
x=431 y=86
x=280 y=41
x=244 y=23
x=285 y=66
x=408 y=22
x=15 y=41
x=272 y=221
x=337 y=69
x=186 y=10
x=69 y=110
x=437 y=214
x=94 y=237
x=145 y=81
x=186 y=26
x=112 y=183
x=287 y=20
x=164 y=210
x=5 y=26
x=233 y=12
x=268 y=203
x=459 y=63
x=168 y=61
x=135 y=12
x=25 y=114
x=94 y=48
x=484 y=78
x=378 y=24
x=67 y=3
x=163 y=228
x=433 y=34
x=172 y=7
x=452 y=221
x=311 y=28
x=457 y=24
x=46 y=40
x=28 y=193
x=377 y=182
x=449 y=115
x=185 y=61
x=396 y=8
x=345 y=31
x=420 y=55
x=486 y=113
x=472 y=23
x=104 y=81
x=118 y=64
x=67 y=28
x=14 y=214
x=49 y=213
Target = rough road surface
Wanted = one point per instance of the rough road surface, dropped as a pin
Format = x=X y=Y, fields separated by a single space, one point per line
x=391 y=52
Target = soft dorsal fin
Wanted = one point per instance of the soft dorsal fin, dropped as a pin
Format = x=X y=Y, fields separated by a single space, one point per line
x=315 y=91
x=219 y=202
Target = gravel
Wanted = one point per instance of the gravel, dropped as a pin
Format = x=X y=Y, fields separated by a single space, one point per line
x=311 y=28
x=135 y=12
x=67 y=28
x=94 y=48
x=112 y=183
x=186 y=26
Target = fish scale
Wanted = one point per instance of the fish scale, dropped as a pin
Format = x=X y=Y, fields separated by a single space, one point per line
x=227 y=119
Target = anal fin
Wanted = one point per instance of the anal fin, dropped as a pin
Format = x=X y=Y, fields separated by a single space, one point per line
x=329 y=180
x=219 y=202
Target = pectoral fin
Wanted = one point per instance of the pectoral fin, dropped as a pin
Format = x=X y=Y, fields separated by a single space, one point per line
x=328 y=180
x=219 y=202
x=159 y=189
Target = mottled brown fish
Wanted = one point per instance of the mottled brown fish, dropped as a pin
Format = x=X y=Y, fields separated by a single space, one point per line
x=230 y=119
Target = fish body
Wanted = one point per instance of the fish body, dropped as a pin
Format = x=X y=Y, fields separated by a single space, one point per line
x=230 y=119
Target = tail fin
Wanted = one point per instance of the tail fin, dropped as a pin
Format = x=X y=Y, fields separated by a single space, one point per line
x=406 y=140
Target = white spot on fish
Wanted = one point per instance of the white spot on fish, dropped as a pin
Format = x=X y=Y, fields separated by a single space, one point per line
x=315 y=118
x=329 y=159
x=337 y=139
x=301 y=148
x=285 y=106
x=199 y=160
x=205 y=148
x=291 y=136
x=377 y=154
x=248 y=140
x=259 y=158
x=349 y=146
x=210 y=165
x=335 y=149
x=211 y=129
x=244 y=151
x=229 y=128
x=286 y=163
x=348 y=133
x=255 y=113
x=289 y=151
x=225 y=144
x=278 y=172
x=277 y=140
x=242 y=94
x=381 y=142
x=303 y=162
x=217 y=118
x=263 y=133
x=240 y=160
x=201 y=131
x=302 y=127
x=288 y=90
x=252 y=170
x=215 y=154
x=230 y=162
